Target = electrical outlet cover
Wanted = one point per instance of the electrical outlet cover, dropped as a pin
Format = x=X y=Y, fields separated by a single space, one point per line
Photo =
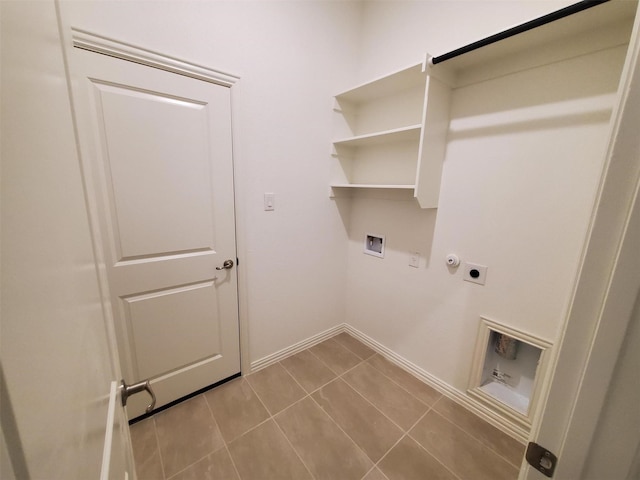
x=475 y=273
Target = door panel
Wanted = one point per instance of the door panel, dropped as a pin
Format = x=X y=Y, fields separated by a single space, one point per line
x=181 y=343
x=158 y=160
x=162 y=174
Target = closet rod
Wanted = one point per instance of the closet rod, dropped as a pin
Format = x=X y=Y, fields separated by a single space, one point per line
x=530 y=25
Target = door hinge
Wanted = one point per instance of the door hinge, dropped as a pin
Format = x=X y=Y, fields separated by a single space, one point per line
x=541 y=459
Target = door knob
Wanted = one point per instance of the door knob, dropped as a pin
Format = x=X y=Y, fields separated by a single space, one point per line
x=226 y=265
x=127 y=390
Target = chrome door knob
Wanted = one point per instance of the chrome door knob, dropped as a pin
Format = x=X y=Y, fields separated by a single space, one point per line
x=127 y=390
x=226 y=265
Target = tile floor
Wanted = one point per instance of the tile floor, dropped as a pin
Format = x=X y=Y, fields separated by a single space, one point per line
x=334 y=411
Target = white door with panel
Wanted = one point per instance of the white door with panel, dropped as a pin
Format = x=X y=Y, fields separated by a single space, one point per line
x=157 y=148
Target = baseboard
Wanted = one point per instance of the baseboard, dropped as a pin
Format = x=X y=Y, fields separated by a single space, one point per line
x=447 y=390
x=296 y=348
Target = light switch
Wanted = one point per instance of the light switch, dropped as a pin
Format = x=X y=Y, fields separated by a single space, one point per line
x=269 y=202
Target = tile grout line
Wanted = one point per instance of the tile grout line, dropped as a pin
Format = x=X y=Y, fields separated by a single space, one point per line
x=480 y=442
x=367 y=361
x=192 y=464
x=402 y=430
x=432 y=408
x=375 y=467
x=342 y=430
x=477 y=438
x=374 y=406
x=272 y=418
x=406 y=434
x=352 y=351
x=155 y=434
x=296 y=380
x=437 y=400
x=309 y=395
x=339 y=377
x=446 y=467
x=402 y=387
x=226 y=445
x=482 y=446
x=327 y=365
x=429 y=407
x=210 y=453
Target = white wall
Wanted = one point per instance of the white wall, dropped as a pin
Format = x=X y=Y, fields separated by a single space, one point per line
x=398 y=33
x=291 y=57
x=523 y=215
x=523 y=162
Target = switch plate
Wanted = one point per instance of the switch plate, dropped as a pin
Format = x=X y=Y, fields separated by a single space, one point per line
x=414 y=259
x=269 y=202
x=475 y=273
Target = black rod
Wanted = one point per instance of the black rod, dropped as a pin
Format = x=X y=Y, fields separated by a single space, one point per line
x=524 y=27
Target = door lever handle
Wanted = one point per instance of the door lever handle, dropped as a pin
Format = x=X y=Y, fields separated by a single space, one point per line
x=226 y=265
x=127 y=390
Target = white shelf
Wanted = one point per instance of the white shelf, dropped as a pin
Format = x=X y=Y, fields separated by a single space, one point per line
x=373 y=186
x=402 y=134
x=384 y=123
x=397 y=81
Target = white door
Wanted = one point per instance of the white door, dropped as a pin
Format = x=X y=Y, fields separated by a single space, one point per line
x=60 y=412
x=158 y=151
x=607 y=289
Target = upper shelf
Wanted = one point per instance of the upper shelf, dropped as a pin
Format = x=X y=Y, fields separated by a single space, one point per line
x=409 y=133
x=412 y=76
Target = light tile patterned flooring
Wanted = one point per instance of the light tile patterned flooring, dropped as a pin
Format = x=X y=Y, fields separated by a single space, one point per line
x=334 y=411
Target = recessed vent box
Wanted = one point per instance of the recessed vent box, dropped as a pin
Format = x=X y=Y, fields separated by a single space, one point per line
x=374 y=245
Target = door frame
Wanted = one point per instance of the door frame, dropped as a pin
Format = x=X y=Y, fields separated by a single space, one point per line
x=75 y=37
x=604 y=294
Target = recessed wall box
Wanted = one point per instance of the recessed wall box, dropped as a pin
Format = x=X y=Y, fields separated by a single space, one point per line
x=507 y=369
x=374 y=245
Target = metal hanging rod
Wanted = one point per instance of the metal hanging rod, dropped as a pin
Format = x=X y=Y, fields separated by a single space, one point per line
x=530 y=25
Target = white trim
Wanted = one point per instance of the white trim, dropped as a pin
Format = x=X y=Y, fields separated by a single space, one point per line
x=475 y=407
x=108 y=435
x=296 y=348
x=125 y=51
x=242 y=251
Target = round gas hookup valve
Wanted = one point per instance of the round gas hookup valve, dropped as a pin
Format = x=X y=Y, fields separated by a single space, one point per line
x=453 y=260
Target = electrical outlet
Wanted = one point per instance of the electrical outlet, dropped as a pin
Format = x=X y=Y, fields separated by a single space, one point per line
x=475 y=273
